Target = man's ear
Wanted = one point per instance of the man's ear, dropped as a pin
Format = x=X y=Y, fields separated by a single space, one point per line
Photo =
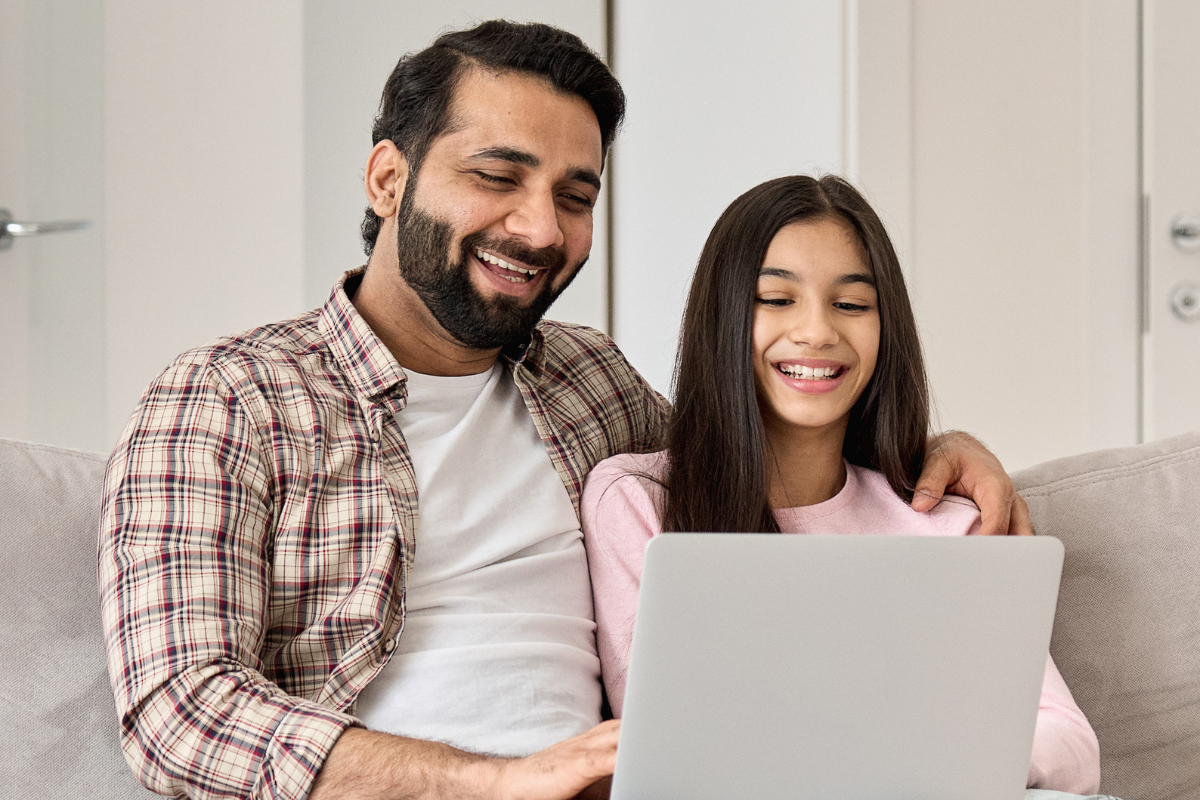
x=385 y=178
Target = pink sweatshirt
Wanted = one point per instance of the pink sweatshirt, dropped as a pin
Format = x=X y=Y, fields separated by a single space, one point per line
x=620 y=511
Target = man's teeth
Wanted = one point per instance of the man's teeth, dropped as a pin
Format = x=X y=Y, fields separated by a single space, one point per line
x=502 y=264
x=809 y=373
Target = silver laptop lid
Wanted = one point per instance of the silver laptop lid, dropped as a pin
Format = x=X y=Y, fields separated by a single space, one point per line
x=800 y=666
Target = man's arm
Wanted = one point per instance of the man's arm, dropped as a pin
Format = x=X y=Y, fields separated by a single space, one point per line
x=184 y=586
x=958 y=463
x=365 y=765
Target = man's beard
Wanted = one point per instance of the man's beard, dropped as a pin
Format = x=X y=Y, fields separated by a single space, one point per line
x=445 y=286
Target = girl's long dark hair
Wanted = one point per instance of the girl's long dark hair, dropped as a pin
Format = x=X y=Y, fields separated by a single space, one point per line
x=717 y=478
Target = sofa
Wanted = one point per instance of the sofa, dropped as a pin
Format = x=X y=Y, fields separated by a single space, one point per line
x=1126 y=635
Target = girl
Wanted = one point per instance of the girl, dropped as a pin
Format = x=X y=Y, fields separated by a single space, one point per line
x=801 y=406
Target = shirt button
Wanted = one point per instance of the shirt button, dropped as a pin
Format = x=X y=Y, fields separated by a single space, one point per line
x=375 y=436
x=389 y=645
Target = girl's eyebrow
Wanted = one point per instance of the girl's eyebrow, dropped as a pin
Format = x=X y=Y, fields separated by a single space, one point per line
x=844 y=280
x=855 y=277
x=776 y=272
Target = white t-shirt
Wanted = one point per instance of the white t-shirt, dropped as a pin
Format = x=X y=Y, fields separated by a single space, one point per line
x=498 y=651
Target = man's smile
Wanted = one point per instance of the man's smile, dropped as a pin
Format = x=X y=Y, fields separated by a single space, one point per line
x=511 y=276
x=510 y=269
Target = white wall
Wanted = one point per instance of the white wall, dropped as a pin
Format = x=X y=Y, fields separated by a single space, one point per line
x=203 y=158
x=722 y=96
x=1004 y=149
x=998 y=141
x=219 y=149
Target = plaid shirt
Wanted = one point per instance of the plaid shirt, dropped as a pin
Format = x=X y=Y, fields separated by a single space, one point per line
x=258 y=525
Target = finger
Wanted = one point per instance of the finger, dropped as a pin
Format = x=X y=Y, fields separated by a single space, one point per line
x=610 y=728
x=995 y=509
x=936 y=474
x=1020 y=523
x=565 y=769
x=597 y=747
x=924 y=499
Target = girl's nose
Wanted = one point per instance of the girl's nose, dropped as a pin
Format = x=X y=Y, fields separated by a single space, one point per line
x=812 y=326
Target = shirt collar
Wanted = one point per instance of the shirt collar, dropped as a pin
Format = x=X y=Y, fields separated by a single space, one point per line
x=364 y=358
x=527 y=354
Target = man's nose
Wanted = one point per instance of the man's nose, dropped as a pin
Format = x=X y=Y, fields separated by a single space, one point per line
x=536 y=220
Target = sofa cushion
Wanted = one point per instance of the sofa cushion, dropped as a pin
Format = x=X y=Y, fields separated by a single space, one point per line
x=60 y=723
x=1127 y=632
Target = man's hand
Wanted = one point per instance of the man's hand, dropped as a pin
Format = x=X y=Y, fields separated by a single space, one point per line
x=958 y=463
x=365 y=765
x=564 y=770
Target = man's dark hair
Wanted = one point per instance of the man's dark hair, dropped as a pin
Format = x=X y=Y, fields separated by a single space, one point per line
x=415 y=108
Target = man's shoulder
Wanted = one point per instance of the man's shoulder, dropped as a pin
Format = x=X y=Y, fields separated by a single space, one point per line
x=284 y=344
x=592 y=389
x=577 y=351
x=570 y=340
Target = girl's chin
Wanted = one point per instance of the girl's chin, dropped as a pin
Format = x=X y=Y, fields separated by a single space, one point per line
x=806 y=422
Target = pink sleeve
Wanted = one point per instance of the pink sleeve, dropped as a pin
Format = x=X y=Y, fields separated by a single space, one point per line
x=619 y=517
x=1066 y=754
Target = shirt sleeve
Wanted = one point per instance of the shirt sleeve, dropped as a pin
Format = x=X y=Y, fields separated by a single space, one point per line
x=619 y=517
x=1066 y=753
x=184 y=573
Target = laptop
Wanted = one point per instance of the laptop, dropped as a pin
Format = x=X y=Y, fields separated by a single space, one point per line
x=836 y=667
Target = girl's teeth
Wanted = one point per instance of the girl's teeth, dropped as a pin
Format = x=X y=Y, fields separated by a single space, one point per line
x=809 y=373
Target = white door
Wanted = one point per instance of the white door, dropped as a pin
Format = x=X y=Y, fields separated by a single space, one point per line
x=1171 y=118
x=52 y=326
x=1000 y=143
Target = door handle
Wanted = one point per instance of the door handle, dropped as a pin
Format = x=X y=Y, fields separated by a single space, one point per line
x=1185 y=230
x=9 y=228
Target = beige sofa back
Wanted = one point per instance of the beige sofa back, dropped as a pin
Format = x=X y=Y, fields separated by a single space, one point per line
x=1127 y=631
x=1127 y=634
x=56 y=706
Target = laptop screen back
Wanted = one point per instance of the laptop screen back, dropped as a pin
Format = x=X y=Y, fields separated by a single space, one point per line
x=803 y=666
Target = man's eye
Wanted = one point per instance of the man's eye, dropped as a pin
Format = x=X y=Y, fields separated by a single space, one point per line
x=578 y=200
x=496 y=179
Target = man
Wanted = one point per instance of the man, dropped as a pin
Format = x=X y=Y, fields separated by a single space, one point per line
x=284 y=619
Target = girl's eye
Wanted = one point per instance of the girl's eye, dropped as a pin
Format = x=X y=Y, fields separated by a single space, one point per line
x=773 y=301
x=845 y=306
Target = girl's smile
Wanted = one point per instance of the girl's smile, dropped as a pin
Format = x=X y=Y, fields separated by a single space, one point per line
x=816 y=326
x=812 y=375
